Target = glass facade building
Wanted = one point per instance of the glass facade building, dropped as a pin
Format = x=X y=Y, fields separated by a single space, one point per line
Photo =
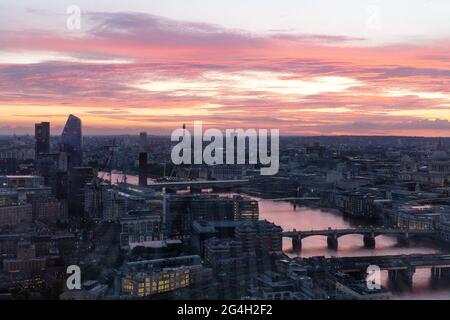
x=71 y=141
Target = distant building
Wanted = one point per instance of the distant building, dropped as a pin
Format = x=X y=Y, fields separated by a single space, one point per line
x=230 y=266
x=259 y=236
x=179 y=211
x=72 y=141
x=9 y=163
x=259 y=240
x=11 y=216
x=152 y=277
x=105 y=203
x=21 y=182
x=143 y=140
x=443 y=229
x=8 y=198
x=90 y=290
x=359 y=205
x=143 y=159
x=96 y=196
x=78 y=178
x=42 y=136
x=347 y=288
x=26 y=261
x=245 y=209
x=228 y=172
x=275 y=286
x=139 y=227
x=50 y=210
x=236 y=261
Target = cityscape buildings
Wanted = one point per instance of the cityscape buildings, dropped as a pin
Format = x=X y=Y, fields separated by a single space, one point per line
x=245 y=151
x=192 y=236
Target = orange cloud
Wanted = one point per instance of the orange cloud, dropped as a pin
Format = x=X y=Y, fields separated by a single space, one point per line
x=141 y=71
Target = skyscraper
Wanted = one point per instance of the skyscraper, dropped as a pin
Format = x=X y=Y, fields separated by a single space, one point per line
x=78 y=178
x=143 y=158
x=42 y=136
x=71 y=141
x=143 y=140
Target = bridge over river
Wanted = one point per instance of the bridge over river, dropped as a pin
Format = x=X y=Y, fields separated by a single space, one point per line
x=369 y=235
x=401 y=268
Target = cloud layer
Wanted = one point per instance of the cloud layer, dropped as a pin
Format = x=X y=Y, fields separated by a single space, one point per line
x=137 y=71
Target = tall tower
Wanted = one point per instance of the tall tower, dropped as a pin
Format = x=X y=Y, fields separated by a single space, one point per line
x=143 y=140
x=72 y=141
x=143 y=159
x=42 y=137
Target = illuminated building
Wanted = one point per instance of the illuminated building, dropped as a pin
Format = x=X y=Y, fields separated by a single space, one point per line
x=8 y=198
x=21 y=182
x=151 y=277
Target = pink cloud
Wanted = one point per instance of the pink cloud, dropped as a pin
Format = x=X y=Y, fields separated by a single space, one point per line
x=172 y=53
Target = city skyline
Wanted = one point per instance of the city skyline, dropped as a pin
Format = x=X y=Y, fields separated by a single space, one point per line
x=224 y=158
x=147 y=67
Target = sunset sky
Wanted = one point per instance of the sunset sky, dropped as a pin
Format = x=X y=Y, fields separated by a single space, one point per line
x=306 y=67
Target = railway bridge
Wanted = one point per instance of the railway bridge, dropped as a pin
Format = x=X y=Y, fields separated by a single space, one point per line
x=401 y=268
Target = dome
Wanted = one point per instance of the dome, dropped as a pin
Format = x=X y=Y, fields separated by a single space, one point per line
x=439 y=156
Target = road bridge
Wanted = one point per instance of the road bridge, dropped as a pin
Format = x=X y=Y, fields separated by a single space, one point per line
x=369 y=235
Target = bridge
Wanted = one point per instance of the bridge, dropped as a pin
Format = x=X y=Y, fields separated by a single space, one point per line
x=295 y=199
x=193 y=185
x=369 y=235
x=401 y=268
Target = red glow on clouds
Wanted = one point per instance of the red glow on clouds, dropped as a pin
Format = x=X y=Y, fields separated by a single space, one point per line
x=130 y=72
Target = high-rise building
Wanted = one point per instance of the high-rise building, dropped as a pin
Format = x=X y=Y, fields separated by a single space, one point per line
x=143 y=140
x=71 y=141
x=181 y=210
x=42 y=136
x=78 y=178
x=143 y=158
x=229 y=265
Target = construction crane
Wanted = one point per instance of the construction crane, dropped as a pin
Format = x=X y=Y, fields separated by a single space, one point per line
x=107 y=166
x=106 y=170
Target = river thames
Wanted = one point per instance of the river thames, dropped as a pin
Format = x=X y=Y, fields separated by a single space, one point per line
x=303 y=218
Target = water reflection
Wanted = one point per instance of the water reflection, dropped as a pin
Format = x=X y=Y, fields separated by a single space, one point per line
x=283 y=214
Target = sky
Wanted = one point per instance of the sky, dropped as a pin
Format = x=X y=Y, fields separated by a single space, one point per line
x=306 y=67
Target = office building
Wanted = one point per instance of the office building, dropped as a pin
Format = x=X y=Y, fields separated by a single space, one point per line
x=11 y=216
x=159 y=276
x=72 y=141
x=143 y=159
x=143 y=140
x=42 y=137
x=180 y=211
x=78 y=178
